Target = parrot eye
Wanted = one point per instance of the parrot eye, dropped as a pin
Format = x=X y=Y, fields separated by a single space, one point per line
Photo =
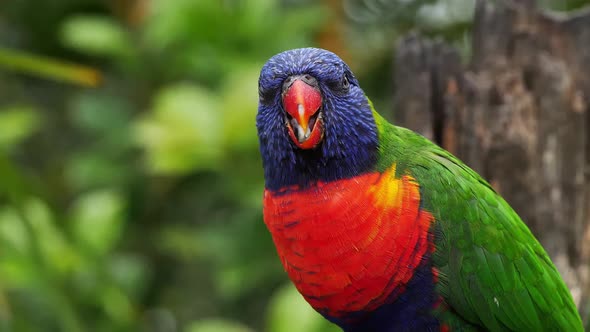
x=340 y=86
x=345 y=83
x=265 y=96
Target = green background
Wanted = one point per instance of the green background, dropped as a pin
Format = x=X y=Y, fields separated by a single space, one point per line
x=130 y=179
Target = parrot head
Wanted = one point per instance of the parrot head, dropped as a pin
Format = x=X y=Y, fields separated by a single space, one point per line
x=314 y=122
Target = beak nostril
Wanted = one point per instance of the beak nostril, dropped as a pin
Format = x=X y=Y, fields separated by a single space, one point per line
x=306 y=78
x=287 y=84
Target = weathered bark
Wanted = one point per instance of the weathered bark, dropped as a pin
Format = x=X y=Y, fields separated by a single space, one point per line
x=519 y=114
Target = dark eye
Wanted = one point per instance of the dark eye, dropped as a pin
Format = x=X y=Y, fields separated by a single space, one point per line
x=340 y=86
x=345 y=83
x=265 y=96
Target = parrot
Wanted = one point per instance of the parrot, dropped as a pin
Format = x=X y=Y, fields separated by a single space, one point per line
x=382 y=230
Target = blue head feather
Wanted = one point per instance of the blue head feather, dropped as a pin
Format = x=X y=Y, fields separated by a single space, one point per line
x=350 y=135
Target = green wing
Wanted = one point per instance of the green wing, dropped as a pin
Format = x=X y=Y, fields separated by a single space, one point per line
x=493 y=273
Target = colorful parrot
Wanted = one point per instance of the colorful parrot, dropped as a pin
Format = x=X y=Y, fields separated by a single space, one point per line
x=382 y=230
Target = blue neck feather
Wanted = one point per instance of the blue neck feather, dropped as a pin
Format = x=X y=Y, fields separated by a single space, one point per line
x=349 y=146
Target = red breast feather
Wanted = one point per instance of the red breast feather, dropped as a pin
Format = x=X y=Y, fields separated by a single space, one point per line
x=352 y=244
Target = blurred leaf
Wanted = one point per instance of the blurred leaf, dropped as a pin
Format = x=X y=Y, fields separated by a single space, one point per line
x=238 y=280
x=129 y=272
x=13 y=234
x=86 y=280
x=116 y=304
x=296 y=26
x=16 y=124
x=216 y=325
x=97 y=220
x=182 y=242
x=172 y=21
x=95 y=35
x=18 y=272
x=288 y=309
x=104 y=120
x=218 y=37
x=22 y=235
x=239 y=106
x=253 y=17
x=91 y=169
x=51 y=242
x=99 y=112
x=182 y=133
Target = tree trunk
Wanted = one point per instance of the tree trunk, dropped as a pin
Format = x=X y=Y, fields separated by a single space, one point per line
x=519 y=114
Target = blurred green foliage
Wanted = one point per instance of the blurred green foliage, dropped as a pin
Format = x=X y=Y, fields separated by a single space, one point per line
x=136 y=205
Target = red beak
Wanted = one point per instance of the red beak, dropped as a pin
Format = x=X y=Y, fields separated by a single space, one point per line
x=302 y=102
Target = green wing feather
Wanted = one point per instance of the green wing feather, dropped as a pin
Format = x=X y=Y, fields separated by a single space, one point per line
x=493 y=273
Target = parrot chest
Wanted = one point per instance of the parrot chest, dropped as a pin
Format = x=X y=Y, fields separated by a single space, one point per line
x=350 y=245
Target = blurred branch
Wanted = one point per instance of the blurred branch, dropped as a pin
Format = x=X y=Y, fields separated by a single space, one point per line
x=49 y=68
x=133 y=12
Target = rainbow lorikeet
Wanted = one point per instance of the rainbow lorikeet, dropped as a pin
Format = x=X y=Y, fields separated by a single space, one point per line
x=382 y=230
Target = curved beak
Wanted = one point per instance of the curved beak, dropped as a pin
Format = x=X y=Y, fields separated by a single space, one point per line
x=302 y=100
